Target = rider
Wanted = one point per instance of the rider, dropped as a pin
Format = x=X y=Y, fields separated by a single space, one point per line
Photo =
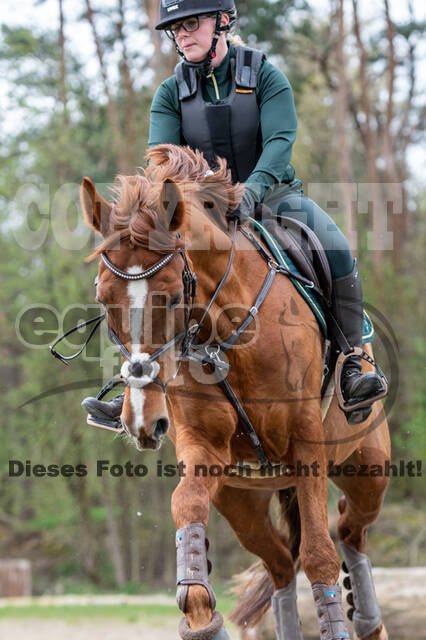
x=228 y=100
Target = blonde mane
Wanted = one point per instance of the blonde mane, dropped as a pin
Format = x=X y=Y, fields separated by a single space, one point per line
x=136 y=212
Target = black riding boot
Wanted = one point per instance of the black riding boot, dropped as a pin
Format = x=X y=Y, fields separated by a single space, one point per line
x=348 y=311
x=104 y=413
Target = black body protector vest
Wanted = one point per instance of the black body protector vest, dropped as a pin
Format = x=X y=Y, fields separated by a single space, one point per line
x=231 y=127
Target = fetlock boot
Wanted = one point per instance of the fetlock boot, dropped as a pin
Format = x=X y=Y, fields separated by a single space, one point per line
x=104 y=413
x=348 y=311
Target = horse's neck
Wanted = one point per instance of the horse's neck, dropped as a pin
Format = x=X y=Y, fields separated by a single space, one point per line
x=201 y=235
x=209 y=249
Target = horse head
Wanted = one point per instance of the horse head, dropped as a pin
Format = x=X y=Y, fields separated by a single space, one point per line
x=140 y=272
x=141 y=312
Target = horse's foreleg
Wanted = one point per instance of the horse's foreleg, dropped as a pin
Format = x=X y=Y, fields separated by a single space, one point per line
x=247 y=512
x=190 y=511
x=317 y=551
x=359 y=507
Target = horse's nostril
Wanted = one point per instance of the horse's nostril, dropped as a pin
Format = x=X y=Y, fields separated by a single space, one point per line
x=160 y=428
x=136 y=369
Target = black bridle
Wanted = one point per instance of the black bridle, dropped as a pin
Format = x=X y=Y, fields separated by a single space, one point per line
x=186 y=337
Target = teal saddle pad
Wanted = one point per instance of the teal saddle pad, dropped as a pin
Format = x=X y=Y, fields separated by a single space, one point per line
x=282 y=258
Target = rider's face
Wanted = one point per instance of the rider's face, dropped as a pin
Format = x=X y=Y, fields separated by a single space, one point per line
x=196 y=44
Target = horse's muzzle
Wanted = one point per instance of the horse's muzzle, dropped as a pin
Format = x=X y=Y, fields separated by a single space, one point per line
x=159 y=428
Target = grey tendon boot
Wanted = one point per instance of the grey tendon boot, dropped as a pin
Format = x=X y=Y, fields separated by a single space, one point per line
x=286 y=616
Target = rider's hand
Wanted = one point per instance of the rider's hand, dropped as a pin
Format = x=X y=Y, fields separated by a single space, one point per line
x=244 y=210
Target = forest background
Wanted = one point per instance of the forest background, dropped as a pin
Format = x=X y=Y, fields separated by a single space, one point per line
x=77 y=79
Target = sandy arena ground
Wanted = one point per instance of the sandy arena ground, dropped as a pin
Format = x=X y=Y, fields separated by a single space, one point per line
x=401 y=594
x=90 y=630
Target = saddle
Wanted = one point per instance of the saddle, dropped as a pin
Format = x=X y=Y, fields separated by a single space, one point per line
x=302 y=247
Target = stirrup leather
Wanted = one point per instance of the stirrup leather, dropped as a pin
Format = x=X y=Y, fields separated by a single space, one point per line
x=349 y=407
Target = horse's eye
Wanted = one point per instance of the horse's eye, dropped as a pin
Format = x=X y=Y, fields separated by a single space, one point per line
x=175 y=300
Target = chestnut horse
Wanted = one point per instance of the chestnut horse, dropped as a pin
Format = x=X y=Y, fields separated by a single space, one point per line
x=178 y=209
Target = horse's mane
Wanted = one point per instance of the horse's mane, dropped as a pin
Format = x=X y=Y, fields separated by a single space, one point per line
x=137 y=214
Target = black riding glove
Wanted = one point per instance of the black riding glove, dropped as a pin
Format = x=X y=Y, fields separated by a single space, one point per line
x=245 y=209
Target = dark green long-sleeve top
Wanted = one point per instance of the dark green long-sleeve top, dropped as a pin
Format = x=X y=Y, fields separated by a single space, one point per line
x=277 y=119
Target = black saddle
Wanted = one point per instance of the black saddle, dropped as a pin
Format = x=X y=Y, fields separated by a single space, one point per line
x=302 y=247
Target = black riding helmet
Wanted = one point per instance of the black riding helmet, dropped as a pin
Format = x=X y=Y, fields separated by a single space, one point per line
x=174 y=10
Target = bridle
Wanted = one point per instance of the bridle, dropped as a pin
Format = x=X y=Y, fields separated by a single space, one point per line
x=141 y=369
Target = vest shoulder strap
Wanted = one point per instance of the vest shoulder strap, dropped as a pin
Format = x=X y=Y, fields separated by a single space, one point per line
x=248 y=63
x=248 y=66
x=186 y=79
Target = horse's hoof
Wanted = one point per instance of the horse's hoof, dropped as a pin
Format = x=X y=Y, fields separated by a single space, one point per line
x=213 y=631
x=379 y=634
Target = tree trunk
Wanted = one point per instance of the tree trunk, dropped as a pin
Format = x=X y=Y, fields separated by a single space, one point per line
x=345 y=162
x=113 y=539
x=164 y=63
x=62 y=70
x=129 y=106
x=394 y=187
x=78 y=488
x=112 y=110
x=377 y=237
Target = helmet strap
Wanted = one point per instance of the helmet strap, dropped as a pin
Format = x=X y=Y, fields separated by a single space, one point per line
x=206 y=63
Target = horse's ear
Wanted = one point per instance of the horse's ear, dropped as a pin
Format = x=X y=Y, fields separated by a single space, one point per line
x=171 y=204
x=95 y=208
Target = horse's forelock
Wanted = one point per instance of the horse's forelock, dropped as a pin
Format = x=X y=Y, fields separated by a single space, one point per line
x=131 y=193
x=177 y=163
x=191 y=171
x=135 y=211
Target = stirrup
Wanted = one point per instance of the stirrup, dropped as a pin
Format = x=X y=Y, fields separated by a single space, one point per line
x=357 y=411
x=110 y=425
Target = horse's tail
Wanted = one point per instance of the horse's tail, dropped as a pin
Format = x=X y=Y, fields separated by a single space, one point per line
x=254 y=586
x=290 y=514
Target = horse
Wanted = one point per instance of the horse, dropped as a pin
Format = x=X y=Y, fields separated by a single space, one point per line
x=165 y=223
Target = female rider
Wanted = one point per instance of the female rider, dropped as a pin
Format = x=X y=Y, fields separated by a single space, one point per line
x=227 y=100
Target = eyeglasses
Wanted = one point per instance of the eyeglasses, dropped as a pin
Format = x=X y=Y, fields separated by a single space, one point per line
x=189 y=25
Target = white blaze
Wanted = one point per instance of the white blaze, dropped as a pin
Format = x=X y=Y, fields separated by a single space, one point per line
x=137 y=290
x=137 y=400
